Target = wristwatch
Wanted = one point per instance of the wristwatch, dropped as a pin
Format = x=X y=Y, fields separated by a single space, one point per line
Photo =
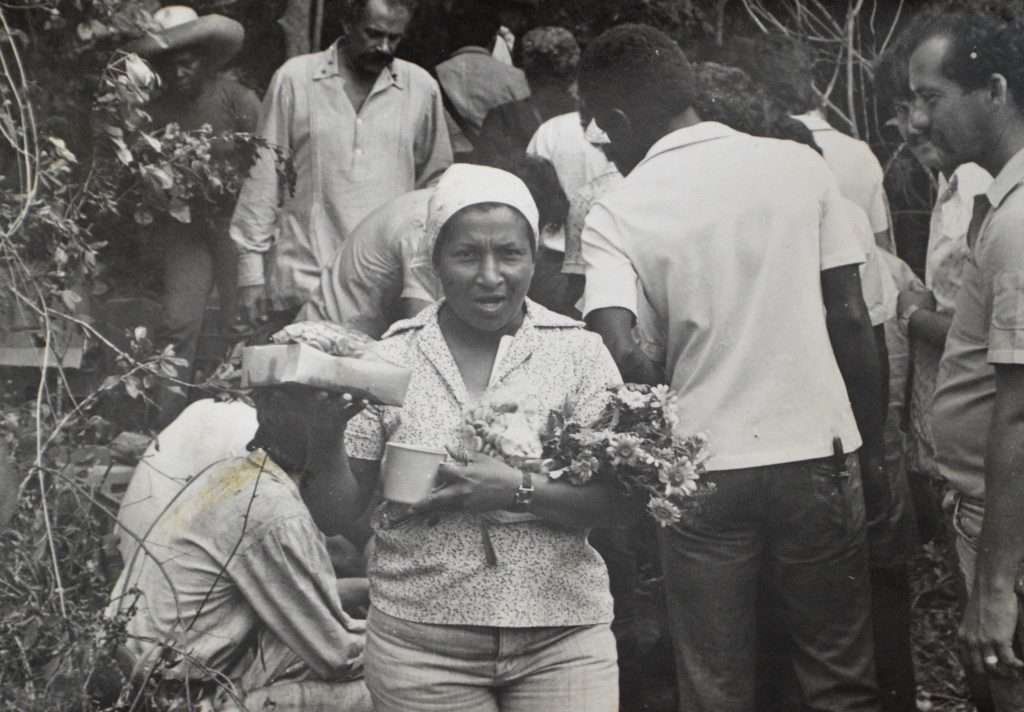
x=524 y=493
x=904 y=319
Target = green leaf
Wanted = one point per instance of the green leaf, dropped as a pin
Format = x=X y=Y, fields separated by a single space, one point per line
x=179 y=210
x=71 y=299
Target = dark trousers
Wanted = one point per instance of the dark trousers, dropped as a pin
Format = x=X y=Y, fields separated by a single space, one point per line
x=193 y=258
x=799 y=527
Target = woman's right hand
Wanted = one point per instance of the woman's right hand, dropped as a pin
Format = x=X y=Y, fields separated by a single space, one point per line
x=483 y=484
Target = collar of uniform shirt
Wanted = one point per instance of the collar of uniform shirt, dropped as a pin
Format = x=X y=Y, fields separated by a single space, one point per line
x=815 y=121
x=328 y=67
x=681 y=138
x=1008 y=179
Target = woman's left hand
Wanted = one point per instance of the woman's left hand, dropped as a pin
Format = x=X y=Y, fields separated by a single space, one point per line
x=482 y=484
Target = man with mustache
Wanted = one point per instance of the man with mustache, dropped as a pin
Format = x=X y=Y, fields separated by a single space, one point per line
x=968 y=88
x=362 y=128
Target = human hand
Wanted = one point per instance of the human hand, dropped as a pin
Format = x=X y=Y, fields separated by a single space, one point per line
x=253 y=304
x=987 y=631
x=916 y=295
x=483 y=484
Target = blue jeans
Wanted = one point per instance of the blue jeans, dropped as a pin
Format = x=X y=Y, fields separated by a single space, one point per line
x=800 y=528
x=412 y=667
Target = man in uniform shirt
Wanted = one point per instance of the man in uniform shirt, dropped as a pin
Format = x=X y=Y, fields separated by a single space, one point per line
x=362 y=128
x=969 y=102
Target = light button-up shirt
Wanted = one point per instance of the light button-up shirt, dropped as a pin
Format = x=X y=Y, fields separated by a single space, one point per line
x=347 y=163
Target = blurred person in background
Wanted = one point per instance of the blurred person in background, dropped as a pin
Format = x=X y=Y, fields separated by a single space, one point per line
x=550 y=56
x=198 y=255
x=472 y=81
x=384 y=272
x=786 y=71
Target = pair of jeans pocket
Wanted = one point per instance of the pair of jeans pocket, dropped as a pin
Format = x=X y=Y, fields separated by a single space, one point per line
x=837 y=492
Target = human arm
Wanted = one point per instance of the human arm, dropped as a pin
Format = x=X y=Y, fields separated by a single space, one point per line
x=856 y=352
x=433 y=147
x=991 y=618
x=485 y=484
x=924 y=321
x=610 y=306
x=254 y=223
x=287 y=579
x=615 y=325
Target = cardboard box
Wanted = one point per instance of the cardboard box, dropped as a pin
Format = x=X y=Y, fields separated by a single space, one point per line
x=298 y=363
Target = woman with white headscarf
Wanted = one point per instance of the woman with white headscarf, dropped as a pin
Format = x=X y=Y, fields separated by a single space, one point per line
x=487 y=595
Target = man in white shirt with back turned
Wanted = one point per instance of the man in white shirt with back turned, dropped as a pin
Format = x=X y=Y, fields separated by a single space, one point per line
x=752 y=273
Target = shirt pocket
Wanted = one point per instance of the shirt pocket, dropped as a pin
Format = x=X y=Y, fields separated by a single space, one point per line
x=1006 y=336
x=1008 y=301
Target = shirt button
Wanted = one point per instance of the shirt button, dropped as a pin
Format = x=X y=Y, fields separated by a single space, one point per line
x=359 y=151
x=359 y=121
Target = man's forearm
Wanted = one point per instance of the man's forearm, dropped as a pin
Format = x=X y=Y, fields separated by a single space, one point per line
x=615 y=325
x=1001 y=546
x=856 y=353
x=930 y=326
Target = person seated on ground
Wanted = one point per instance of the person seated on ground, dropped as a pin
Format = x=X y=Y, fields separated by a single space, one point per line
x=382 y=274
x=234 y=600
x=472 y=81
x=550 y=56
x=194 y=256
x=208 y=433
x=459 y=576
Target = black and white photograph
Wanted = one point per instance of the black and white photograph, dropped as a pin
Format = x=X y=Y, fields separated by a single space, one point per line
x=511 y=356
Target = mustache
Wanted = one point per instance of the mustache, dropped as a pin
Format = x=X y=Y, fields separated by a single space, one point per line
x=379 y=57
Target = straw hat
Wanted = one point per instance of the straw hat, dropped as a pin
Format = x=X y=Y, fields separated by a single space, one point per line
x=219 y=38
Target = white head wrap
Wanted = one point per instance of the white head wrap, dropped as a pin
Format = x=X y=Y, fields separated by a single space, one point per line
x=464 y=185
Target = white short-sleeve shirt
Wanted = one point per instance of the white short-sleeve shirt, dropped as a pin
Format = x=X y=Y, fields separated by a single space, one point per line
x=729 y=251
x=858 y=171
x=562 y=141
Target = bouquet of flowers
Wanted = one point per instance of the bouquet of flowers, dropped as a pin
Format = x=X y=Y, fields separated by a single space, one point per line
x=635 y=442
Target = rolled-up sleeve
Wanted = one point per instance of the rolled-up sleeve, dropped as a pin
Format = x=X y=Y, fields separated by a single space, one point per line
x=433 y=145
x=608 y=267
x=287 y=577
x=254 y=224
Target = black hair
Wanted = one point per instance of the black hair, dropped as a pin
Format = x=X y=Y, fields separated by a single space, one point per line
x=980 y=45
x=790 y=129
x=638 y=69
x=475 y=24
x=284 y=432
x=542 y=181
x=783 y=67
x=353 y=10
x=728 y=95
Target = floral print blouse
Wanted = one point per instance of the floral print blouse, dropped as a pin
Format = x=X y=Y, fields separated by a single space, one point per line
x=433 y=568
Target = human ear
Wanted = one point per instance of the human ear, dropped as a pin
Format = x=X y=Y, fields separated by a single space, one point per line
x=998 y=91
x=619 y=125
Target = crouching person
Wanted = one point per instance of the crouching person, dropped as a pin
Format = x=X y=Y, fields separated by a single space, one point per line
x=235 y=601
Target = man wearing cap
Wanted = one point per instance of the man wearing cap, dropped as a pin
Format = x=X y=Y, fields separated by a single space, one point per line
x=195 y=256
x=234 y=593
x=361 y=127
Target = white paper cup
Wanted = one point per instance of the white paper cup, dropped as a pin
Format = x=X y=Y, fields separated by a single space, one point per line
x=409 y=472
